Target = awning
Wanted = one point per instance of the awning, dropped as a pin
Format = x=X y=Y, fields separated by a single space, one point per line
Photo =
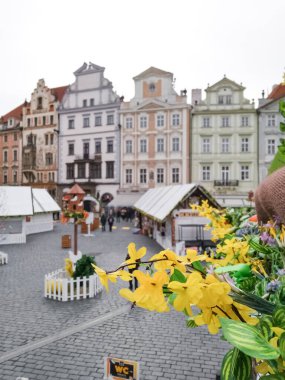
x=43 y=202
x=125 y=200
x=159 y=202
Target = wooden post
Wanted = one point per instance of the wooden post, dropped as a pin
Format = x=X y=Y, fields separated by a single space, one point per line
x=75 y=236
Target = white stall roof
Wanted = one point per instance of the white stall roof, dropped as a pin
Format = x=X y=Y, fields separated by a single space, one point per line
x=15 y=201
x=23 y=200
x=43 y=202
x=159 y=202
x=125 y=200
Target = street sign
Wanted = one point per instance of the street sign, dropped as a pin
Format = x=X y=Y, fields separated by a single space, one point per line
x=117 y=369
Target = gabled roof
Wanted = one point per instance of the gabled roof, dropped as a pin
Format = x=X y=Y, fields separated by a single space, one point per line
x=159 y=202
x=15 y=113
x=59 y=92
x=225 y=82
x=87 y=68
x=152 y=71
x=277 y=92
x=76 y=189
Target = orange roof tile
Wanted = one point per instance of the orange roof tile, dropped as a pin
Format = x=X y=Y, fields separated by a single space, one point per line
x=16 y=113
x=59 y=92
x=76 y=189
x=277 y=92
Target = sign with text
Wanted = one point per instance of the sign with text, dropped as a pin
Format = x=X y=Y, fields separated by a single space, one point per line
x=117 y=369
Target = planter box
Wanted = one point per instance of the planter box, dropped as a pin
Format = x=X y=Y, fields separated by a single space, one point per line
x=3 y=258
x=62 y=288
x=66 y=241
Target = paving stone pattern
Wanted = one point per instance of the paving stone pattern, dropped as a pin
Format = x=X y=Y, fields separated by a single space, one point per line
x=161 y=343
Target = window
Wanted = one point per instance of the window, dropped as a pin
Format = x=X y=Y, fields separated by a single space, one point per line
x=160 y=145
x=206 y=122
x=71 y=124
x=110 y=119
x=206 y=145
x=225 y=145
x=175 y=119
x=244 y=144
x=129 y=146
x=143 y=146
x=175 y=175
x=5 y=138
x=5 y=178
x=129 y=175
x=98 y=147
x=225 y=172
x=220 y=99
x=160 y=121
x=129 y=123
x=225 y=99
x=81 y=170
x=40 y=103
x=95 y=170
x=142 y=175
x=86 y=150
x=110 y=146
x=51 y=119
x=271 y=146
x=15 y=136
x=85 y=122
x=175 y=144
x=5 y=156
x=51 y=139
x=36 y=121
x=244 y=172
x=70 y=149
x=15 y=155
x=46 y=139
x=109 y=169
x=98 y=121
x=206 y=173
x=160 y=175
x=44 y=120
x=69 y=171
x=15 y=177
x=225 y=121
x=84 y=103
x=244 y=121
x=91 y=102
x=29 y=122
x=228 y=99
x=49 y=159
x=143 y=121
x=271 y=120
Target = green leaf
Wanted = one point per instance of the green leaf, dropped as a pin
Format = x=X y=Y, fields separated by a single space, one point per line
x=178 y=276
x=282 y=127
x=248 y=339
x=279 y=317
x=191 y=323
x=236 y=366
x=276 y=376
x=171 y=298
x=232 y=268
x=282 y=345
x=253 y=301
x=265 y=325
x=198 y=266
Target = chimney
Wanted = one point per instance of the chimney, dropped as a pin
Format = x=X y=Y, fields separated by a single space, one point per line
x=196 y=96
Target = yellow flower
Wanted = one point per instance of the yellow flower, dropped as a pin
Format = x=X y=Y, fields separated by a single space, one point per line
x=263 y=368
x=104 y=277
x=69 y=267
x=192 y=256
x=187 y=293
x=168 y=260
x=124 y=275
x=209 y=318
x=134 y=255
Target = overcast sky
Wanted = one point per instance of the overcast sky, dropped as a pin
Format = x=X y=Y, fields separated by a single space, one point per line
x=198 y=41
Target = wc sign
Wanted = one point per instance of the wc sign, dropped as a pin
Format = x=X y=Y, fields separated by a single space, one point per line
x=117 y=369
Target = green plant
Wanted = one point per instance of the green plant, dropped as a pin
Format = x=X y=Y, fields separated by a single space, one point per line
x=83 y=267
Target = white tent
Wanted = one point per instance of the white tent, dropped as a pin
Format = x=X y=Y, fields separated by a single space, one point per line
x=24 y=211
x=125 y=200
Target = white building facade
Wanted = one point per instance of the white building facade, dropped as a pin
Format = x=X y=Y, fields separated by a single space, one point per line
x=155 y=137
x=224 y=140
x=269 y=119
x=89 y=134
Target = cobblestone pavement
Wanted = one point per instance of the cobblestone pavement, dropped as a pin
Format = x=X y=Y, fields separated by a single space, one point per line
x=162 y=344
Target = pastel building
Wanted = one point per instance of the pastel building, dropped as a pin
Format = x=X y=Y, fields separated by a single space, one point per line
x=10 y=147
x=224 y=140
x=155 y=134
x=89 y=134
x=40 y=138
x=269 y=119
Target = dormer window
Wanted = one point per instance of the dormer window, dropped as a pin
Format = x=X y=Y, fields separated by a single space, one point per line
x=40 y=103
x=225 y=99
x=151 y=87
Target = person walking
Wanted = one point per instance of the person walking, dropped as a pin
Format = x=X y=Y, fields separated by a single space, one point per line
x=133 y=283
x=118 y=215
x=110 y=222
x=103 y=222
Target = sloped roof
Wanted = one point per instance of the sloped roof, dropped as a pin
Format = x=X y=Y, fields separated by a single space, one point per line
x=225 y=82
x=59 y=92
x=277 y=92
x=159 y=202
x=76 y=189
x=23 y=200
x=16 y=113
x=125 y=200
x=152 y=71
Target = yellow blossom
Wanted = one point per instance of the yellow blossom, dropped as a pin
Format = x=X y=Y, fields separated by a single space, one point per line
x=168 y=259
x=105 y=277
x=134 y=255
x=69 y=267
x=192 y=256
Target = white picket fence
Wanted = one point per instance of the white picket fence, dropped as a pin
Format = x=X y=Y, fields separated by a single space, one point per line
x=3 y=258
x=62 y=288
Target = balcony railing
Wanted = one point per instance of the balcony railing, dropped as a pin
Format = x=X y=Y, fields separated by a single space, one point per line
x=229 y=183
